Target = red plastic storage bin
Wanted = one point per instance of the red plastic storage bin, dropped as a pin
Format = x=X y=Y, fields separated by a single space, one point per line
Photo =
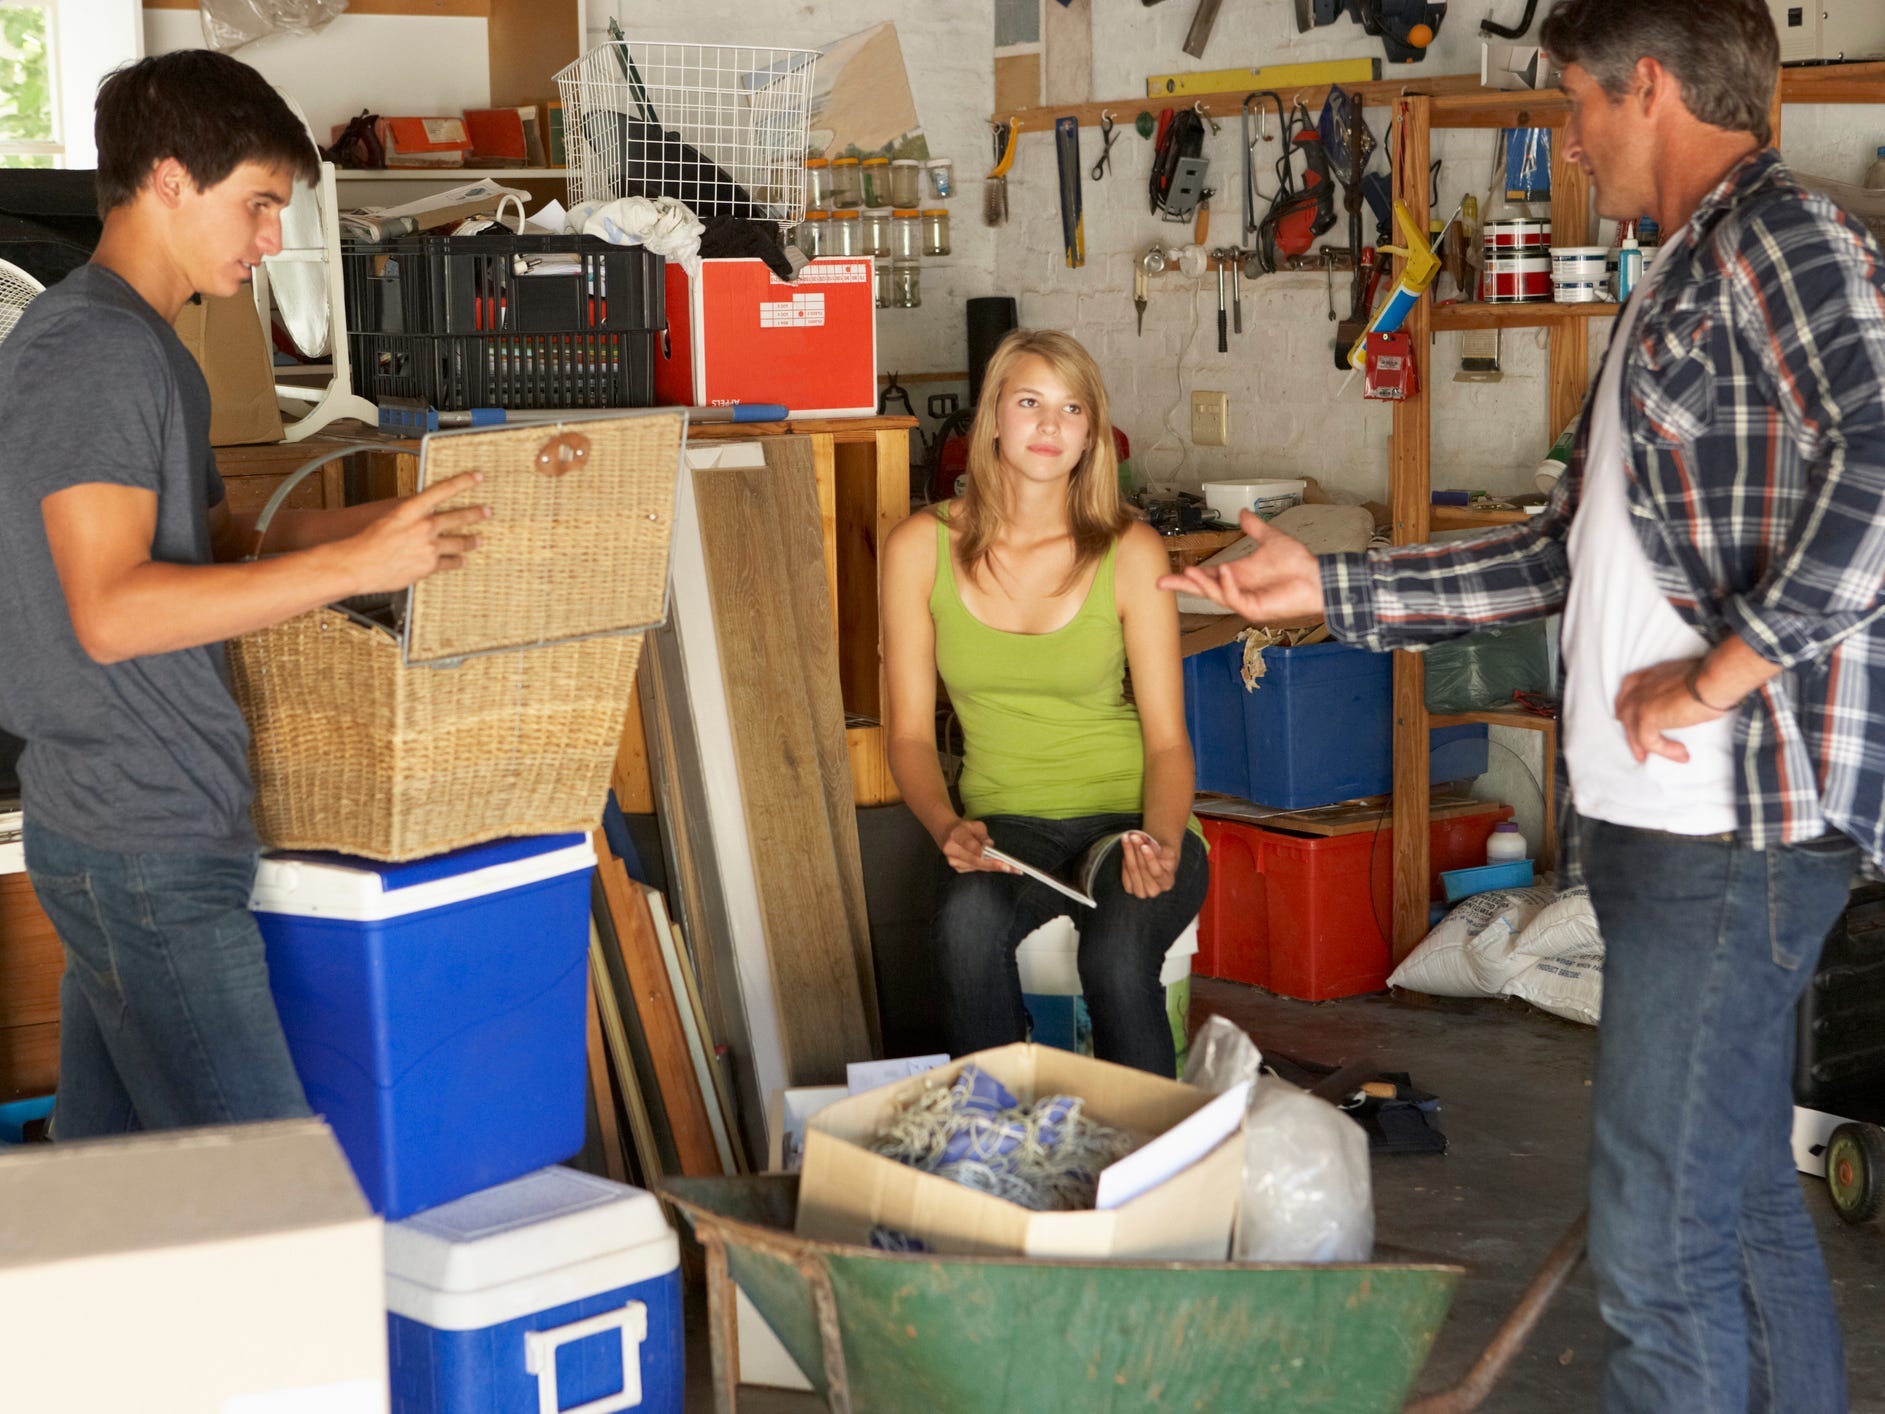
x=1308 y=916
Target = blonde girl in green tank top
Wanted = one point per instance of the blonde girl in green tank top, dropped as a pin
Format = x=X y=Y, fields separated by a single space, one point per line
x=1030 y=596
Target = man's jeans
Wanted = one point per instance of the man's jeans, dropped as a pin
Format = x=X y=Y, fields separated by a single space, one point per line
x=165 y=1016
x=981 y=918
x=1708 y=1269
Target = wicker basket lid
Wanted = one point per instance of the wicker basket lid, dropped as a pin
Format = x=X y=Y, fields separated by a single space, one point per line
x=577 y=543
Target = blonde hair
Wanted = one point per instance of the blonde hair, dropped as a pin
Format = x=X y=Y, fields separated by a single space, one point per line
x=1097 y=515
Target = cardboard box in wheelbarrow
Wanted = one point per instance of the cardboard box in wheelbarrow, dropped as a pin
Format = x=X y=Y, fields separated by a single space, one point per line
x=486 y=702
x=1174 y=1198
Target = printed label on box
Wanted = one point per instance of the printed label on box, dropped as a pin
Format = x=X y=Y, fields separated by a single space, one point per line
x=832 y=272
x=799 y=312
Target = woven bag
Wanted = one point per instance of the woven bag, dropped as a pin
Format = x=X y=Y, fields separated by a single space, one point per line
x=497 y=706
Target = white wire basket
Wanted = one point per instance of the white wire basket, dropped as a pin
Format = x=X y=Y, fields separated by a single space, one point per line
x=721 y=127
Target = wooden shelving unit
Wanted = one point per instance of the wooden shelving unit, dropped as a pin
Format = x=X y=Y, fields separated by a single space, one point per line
x=1410 y=460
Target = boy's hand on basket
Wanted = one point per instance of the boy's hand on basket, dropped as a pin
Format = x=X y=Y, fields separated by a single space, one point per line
x=416 y=539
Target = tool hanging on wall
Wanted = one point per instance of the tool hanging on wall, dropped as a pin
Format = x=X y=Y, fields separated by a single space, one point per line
x=1107 y=138
x=1138 y=294
x=1067 y=157
x=1405 y=27
x=995 y=188
x=1416 y=277
x=1297 y=214
x=1391 y=375
x=1253 y=133
x=1179 y=167
x=1220 y=258
x=1517 y=31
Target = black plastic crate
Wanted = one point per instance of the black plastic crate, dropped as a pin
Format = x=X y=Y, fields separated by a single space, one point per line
x=1840 y=1051
x=504 y=320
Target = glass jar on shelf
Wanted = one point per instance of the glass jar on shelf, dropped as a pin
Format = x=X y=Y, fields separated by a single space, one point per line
x=906 y=234
x=846 y=187
x=906 y=181
x=883 y=283
x=810 y=236
x=906 y=284
x=874 y=230
x=817 y=182
x=936 y=231
x=875 y=173
x=844 y=236
x=941 y=172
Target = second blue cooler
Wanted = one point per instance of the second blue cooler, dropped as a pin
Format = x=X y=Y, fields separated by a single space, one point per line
x=435 y=1009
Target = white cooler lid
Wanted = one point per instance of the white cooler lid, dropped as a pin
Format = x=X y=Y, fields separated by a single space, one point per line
x=314 y=885
x=532 y=1244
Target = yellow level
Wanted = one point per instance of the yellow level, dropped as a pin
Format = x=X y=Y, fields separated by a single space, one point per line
x=1273 y=76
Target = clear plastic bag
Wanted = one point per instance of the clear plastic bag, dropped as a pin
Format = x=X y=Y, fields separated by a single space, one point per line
x=230 y=24
x=1308 y=1195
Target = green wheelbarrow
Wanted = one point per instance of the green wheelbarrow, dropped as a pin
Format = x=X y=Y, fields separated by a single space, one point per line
x=880 y=1331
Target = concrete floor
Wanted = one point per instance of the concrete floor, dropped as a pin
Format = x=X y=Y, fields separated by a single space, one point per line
x=1514 y=1094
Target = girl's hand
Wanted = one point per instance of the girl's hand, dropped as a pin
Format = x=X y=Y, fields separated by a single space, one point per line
x=1149 y=868
x=963 y=847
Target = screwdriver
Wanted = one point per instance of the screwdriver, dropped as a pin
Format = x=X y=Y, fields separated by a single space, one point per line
x=1138 y=294
x=1223 y=327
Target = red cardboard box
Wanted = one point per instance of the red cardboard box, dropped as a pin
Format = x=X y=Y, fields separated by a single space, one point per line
x=739 y=334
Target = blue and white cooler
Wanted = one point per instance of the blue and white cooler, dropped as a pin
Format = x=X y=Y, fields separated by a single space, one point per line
x=555 y=1292
x=435 y=1009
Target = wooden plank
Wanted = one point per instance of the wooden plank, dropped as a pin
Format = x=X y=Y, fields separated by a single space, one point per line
x=732 y=934
x=693 y=1028
x=1494 y=717
x=463 y=9
x=1468 y=315
x=1466 y=518
x=1410 y=480
x=819 y=1007
x=842 y=429
x=1833 y=83
x=857 y=536
x=31 y=958
x=531 y=40
x=1376 y=94
x=1569 y=377
x=634 y=791
x=655 y=1006
x=791 y=479
x=622 y=1062
x=720 y=1081
x=871 y=781
x=824 y=450
x=602 y=1087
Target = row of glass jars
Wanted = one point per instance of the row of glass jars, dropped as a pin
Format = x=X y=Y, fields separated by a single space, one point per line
x=841 y=183
x=900 y=234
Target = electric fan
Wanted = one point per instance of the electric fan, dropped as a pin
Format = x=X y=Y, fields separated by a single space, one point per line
x=16 y=288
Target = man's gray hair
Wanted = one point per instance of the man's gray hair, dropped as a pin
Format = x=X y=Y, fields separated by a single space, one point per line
x=1724 y=53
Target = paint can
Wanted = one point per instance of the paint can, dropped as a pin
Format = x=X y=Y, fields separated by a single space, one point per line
x=1527 y=235
x=1517 y=279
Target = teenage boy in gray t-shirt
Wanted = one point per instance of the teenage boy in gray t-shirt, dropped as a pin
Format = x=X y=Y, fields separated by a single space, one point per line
x=117 y=571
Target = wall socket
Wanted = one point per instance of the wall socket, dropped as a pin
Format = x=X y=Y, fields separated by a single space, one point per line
x=1210 y=419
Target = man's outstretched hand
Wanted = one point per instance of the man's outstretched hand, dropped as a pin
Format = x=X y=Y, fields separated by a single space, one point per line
x=1278 y=580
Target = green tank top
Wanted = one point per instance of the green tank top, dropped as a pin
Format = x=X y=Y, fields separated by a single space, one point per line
x=1047 y=728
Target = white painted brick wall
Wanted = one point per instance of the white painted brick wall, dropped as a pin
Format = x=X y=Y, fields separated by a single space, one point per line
x=1285 y=418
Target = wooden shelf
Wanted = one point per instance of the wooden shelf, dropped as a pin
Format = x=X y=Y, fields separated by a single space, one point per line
x=1833 y=83
x=1466 y=518
x=1494 y=717
x=1502 y=108
x=1542 y=315
x=456 y=176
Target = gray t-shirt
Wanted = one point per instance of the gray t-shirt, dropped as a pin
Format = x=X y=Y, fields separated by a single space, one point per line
x=150 y=754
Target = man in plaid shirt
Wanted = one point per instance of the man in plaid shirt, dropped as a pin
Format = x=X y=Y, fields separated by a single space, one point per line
x=1717 y=548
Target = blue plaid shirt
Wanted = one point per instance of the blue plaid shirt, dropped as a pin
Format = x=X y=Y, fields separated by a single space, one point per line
x=1754 y=407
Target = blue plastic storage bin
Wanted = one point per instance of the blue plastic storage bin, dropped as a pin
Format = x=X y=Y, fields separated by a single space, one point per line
x=1317 y=729
x=557 y=1291
x=435 y=1009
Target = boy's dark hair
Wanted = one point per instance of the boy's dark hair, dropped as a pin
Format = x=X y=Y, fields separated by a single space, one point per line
x=210 y=112
x=1725 y=54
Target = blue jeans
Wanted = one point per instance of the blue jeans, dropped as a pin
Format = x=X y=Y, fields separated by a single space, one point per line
x=1708 y=1269
x=165 y=1016
x=981 y=918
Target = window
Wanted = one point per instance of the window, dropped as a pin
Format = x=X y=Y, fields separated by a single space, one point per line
x=28 y=99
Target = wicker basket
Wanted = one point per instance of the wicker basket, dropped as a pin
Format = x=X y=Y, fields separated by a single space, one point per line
x=497 y=708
